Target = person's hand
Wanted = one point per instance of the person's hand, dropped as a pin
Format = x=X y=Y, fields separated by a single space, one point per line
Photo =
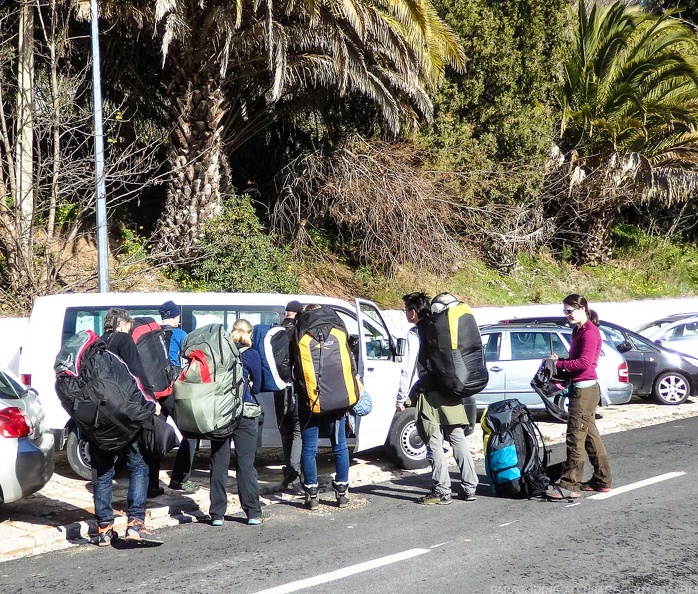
x=400 y=406
x=158 y=408
x=553 y=357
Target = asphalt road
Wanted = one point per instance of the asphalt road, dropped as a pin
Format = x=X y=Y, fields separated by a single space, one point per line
x=640 y=539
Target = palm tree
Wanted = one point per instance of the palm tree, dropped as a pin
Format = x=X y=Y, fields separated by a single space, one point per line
x=629 y=97
x=232 y=67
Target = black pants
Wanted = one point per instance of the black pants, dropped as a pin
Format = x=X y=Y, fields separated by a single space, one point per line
x=286 y=407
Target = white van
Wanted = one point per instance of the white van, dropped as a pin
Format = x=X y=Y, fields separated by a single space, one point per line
x=56 y=318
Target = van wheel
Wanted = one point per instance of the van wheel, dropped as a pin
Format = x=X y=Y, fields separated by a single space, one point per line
x=404 y=446
x=78 y=454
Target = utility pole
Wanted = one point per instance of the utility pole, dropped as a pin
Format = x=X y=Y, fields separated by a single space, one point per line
x=100 y=188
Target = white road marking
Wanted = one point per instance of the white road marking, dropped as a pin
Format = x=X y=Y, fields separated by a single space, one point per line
x=638 y=485
x=573 y=504
x=345 y=572
x=509 y=523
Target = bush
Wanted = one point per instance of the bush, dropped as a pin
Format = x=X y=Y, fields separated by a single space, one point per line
x=238 y=255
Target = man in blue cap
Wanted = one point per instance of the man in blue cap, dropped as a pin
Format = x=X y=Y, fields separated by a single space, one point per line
x=171 y=313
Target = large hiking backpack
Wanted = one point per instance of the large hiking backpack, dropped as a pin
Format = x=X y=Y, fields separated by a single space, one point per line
x=513 y=463
x=272 y=344
x=153 y=349
x=451 y=355
x=208 y=393
x=99 y=393
x=325 y=370
x=553 y=387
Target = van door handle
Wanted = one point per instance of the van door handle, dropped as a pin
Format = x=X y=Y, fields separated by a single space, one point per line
x=370 y=369
x=496 y=369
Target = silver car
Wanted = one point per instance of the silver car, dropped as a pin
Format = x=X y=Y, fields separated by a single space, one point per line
x=678 y=334
x=513 y=353
x=26 y=446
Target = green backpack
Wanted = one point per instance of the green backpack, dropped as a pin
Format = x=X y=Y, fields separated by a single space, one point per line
x=208 y=393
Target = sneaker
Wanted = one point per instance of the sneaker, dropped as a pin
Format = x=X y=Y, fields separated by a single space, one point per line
x=187 y=487
x=155 y=492
x=216 y=522
x=136 y=531
x=466 y=495
x=106 y=535
x=435 y=498
x=265 y=517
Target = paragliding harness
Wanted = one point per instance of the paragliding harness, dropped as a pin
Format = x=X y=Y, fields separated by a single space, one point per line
x=553 y=388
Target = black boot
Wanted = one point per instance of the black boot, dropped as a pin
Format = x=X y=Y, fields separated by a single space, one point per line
x=340 y=490
x=311 y=492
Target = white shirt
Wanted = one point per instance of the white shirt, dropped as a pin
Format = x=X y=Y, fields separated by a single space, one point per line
x=408 y=371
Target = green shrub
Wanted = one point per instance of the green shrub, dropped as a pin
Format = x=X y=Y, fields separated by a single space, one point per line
x=238 y=255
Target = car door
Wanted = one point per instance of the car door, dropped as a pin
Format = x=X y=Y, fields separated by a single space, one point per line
x=495 y=390
x=380 y=374
x=681 y=336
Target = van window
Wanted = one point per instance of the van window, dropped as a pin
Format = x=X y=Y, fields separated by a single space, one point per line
x=200 y=316
x=78 y=319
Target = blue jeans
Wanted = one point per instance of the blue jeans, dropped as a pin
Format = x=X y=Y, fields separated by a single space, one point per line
x=335 y=423
x=103 y=475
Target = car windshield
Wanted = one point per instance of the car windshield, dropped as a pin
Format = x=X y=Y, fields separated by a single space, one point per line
x=9 y=388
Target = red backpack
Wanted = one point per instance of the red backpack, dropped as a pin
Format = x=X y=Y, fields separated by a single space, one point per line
x=153 y=346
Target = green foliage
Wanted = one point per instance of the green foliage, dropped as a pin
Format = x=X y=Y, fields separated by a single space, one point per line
x=492 y=121
x=238 y=255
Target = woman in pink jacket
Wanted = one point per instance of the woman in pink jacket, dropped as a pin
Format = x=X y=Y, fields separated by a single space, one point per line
x=582 y=434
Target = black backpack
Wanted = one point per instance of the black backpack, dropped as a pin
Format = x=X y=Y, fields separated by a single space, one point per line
x=272 y=344
x=553 y=387
x=153 y=347
x=513 y=462
x=451 y=357
x=99 y=393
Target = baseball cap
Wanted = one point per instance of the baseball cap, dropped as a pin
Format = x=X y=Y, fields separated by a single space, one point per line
x=294 y=306
x=169 y=309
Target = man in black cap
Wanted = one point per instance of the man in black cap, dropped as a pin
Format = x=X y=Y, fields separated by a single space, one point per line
x=286 y=408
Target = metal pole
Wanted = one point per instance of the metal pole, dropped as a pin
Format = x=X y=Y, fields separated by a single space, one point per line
x=100 y=190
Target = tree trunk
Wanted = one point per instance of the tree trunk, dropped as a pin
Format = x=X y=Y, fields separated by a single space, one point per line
x=595 y=243
x=201 y=177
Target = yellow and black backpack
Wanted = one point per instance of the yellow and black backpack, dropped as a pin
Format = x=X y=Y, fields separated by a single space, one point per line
x=324 y=366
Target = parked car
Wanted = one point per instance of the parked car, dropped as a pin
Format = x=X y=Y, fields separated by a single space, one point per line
x=648 y=329
x=26 y=446
x=514 y=351
x=678 y=335
x=654 y=371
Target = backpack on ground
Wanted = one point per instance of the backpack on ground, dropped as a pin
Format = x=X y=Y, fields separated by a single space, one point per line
x=325 y=370
x=153 y=349
x=553 y=388
x=451 y=355
x=208 y=393
x=512 y=453
x=99 y=393
x=272 y=344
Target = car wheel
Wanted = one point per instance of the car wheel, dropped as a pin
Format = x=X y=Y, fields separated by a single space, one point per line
x=671 y=387
x=404 y=446
x=78 y=454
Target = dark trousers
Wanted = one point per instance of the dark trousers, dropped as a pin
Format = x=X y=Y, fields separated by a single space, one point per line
x=286 y=407
x=185 y=454
x=245 y=439
x=583 y=436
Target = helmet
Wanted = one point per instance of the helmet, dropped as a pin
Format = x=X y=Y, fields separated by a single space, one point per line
x=442 y=301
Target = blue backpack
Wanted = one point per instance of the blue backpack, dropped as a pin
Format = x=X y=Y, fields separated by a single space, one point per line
x=272 y=342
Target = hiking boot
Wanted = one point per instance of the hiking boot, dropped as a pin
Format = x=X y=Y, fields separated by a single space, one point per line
x=136 y=531
x=187 y=487
x=290 y=477
x=311 y=492
x=265 y=517
x=106 y=535
x=466 y=494
x=155 y=492
x=340 y=491
x=435 y=498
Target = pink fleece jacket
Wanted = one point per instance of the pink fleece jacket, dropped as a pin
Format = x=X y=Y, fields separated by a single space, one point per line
x=584 y=353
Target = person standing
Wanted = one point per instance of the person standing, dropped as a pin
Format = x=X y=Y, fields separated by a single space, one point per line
x=416 y=307
x=440 y=417
x=582 y=433
x=286 y=407
x=244 y=436
x=170 y=314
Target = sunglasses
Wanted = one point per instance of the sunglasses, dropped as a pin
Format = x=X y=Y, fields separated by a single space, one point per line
x=569 y=312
